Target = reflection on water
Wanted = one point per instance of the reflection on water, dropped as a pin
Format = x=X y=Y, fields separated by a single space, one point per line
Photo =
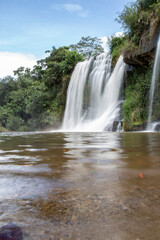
x=81 y=185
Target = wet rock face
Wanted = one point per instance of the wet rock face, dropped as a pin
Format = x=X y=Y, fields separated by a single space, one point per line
x=11 y=232
x=144 y=53
x=116 y=124
x=137 y=58
x=157 y=127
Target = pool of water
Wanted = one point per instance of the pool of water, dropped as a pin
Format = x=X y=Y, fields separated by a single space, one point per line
x=81 y=185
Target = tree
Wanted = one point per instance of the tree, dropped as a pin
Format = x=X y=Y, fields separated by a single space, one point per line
x=116 y=46
x=88 y=47
x=136 y=18
x=60 y=62
x=35 y=98
x=115 y=42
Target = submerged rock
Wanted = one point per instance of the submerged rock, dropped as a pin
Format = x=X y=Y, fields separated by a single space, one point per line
x=11 y=232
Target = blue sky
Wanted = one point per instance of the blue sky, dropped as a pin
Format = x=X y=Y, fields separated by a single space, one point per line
x=34 y=26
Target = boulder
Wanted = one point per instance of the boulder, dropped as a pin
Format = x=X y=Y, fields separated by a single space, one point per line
x=11 y=232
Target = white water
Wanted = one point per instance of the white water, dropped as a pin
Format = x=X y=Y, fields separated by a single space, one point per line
x=155 y=75
x=153 y=127
x=93 y=97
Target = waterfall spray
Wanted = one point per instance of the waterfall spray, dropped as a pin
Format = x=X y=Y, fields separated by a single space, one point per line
x=155 y=75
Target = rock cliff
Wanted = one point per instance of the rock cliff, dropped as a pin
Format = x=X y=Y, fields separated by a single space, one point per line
x=144 y=53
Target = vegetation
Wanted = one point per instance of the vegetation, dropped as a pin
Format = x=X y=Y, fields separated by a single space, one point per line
x=135 y=106
x=88 y=47
x=36 y=99
x=156 y=101
x=140 y=21
x=116 y=45
x=137 y=17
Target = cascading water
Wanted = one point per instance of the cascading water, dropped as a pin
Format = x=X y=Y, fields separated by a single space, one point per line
x=155 y=75
x=93 y=97
x=74 y=105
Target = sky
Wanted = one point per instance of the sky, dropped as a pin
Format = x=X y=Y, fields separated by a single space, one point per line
x=30 y=27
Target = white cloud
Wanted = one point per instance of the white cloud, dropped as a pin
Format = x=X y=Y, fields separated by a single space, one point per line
x=67 y=7
x=119 y=34
x=106 y=39
x=12 y=61
x=71 y=8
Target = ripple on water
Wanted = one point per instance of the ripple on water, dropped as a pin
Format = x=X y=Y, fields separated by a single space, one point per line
x=12 y=157
x=36 y=150
x=25 y=146
x=10 y=151
x=99 y=172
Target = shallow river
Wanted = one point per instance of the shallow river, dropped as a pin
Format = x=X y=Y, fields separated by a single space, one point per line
x=102 y=186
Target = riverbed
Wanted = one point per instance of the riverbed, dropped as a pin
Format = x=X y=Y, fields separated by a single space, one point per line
x=101 y=186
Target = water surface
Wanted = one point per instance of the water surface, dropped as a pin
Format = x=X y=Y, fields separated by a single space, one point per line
x=81 y=185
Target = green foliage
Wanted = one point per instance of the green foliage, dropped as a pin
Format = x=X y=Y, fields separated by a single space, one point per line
x=2 y=129
x=88 y=47
x=14 y=123
x=136 y=18
x=135 y=106
x=115 y=42
x=60 y=62
x=146 y=4
x=116 y=45
x=156 y=101
x=140 y=21
x=36 y=99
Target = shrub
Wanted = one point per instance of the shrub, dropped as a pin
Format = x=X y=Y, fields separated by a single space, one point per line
x=117 y=45
x=136 y=18
x=135 y=106
x=14 y=123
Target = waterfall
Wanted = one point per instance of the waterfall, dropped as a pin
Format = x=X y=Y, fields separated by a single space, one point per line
x=74 y=105
x=155 y=75
x=93 y=96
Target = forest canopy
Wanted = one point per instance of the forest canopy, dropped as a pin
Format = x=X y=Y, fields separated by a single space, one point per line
x=35 y=99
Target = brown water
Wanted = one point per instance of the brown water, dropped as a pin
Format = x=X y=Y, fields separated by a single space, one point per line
x=102 y=186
